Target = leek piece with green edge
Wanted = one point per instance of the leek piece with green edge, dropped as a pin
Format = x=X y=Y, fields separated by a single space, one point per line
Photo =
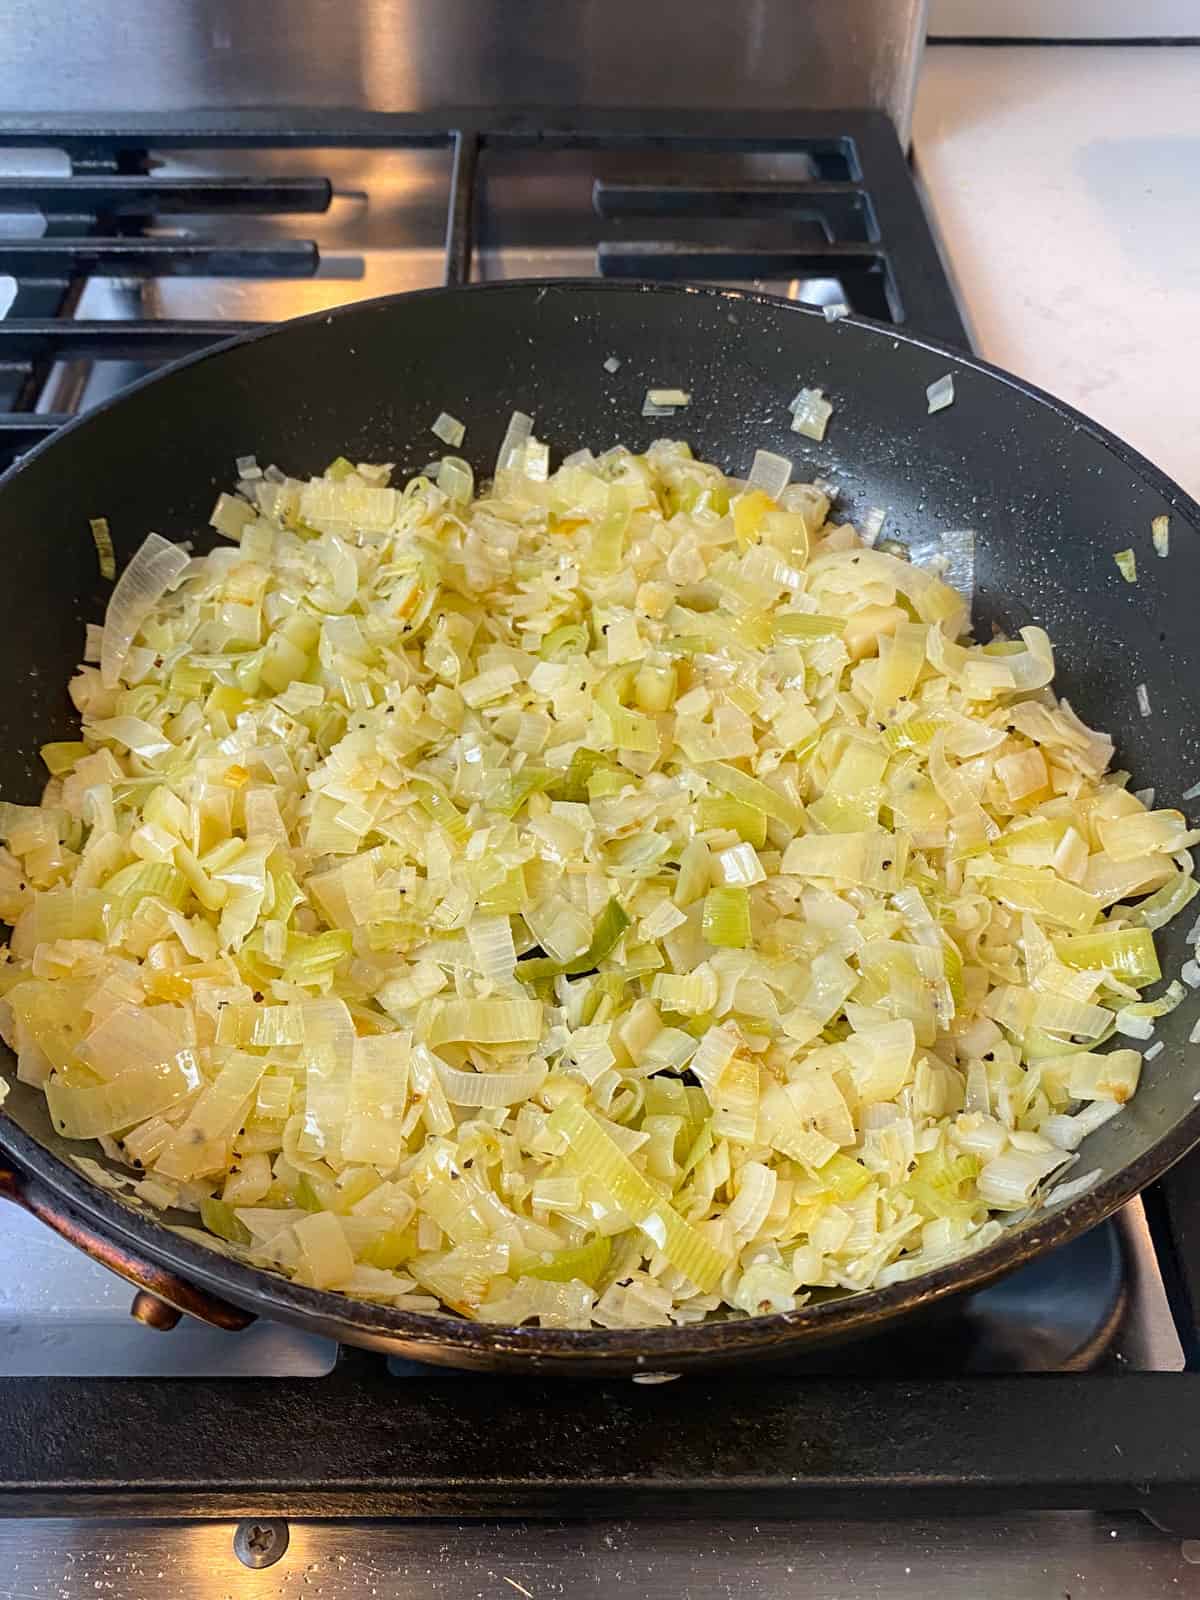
x=572 y=784
x=1128 y=953
x=723 y=811
x=440 y=808
x=793 y=627
x=310 y=958
x=390 y=1249
x=517 y=789
x=844 y=1176
x=610 y=925
x=753 y=792
x=222 y=1220
x=685 y=1248
x=726 y=917
x=1158 y=908
x=585 y=1262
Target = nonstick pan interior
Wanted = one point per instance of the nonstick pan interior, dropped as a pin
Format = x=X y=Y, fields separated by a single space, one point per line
x=1050 y=496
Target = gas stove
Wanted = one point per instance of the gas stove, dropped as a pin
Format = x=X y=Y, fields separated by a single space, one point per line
x=128 y=240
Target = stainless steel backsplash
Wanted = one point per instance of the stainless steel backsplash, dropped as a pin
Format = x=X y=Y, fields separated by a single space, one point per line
x=416 y=55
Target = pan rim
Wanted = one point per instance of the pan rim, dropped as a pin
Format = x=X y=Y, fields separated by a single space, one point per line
x=1146 y=469
x=445 y=1337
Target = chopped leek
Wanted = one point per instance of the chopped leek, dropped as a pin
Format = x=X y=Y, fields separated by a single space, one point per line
x=610 y=925
x=687 y=1250
x=1126 y=561
x=597 y=897
x=1127 y=952
x=726 y=917
x=585 y=1262
x=105 y=553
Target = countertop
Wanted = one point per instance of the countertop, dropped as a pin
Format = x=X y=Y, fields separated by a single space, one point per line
x=1064 y=182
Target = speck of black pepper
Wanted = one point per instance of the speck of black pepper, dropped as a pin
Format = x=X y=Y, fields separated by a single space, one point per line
x=258 y=994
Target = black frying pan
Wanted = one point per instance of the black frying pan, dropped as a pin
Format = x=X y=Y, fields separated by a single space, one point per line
x=1051 y=496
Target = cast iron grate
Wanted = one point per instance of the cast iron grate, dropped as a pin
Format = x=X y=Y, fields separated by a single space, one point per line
x=360 y=1443
x=855 y=219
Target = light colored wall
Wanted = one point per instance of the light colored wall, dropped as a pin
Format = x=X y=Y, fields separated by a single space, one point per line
x=1066 y=19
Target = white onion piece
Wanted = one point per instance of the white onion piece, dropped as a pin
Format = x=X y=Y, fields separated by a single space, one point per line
x=951 y=555
x=1068 y=1133
x=611 y=364
x=516 y=437
x=449 y=429
x=1063 y=1192
x=1143 y=699
x=770 y=473
x=940 y=393
x=489 y=1088
x=156 y=567
x=835 y=312
x=810 y=413
x=668 y=397
x=873 y=525
x=535 y=462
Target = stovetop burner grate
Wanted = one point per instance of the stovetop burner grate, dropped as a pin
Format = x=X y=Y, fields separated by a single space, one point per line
x=844 y=222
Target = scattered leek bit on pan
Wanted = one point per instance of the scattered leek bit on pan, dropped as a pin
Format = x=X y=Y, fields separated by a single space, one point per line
x=940 y=393
x=769 y=475
x=810 y=413
x=1160 y=533
x=873 y=525
x=105 y=553
x=612 y=363
x=605 y=896
x=668 y=399
x=1143 y=700
x=1126 y=562
x=449 y=430
x=836 y=311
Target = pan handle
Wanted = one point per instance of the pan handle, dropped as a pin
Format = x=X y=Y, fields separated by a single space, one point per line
x=162 y=1297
